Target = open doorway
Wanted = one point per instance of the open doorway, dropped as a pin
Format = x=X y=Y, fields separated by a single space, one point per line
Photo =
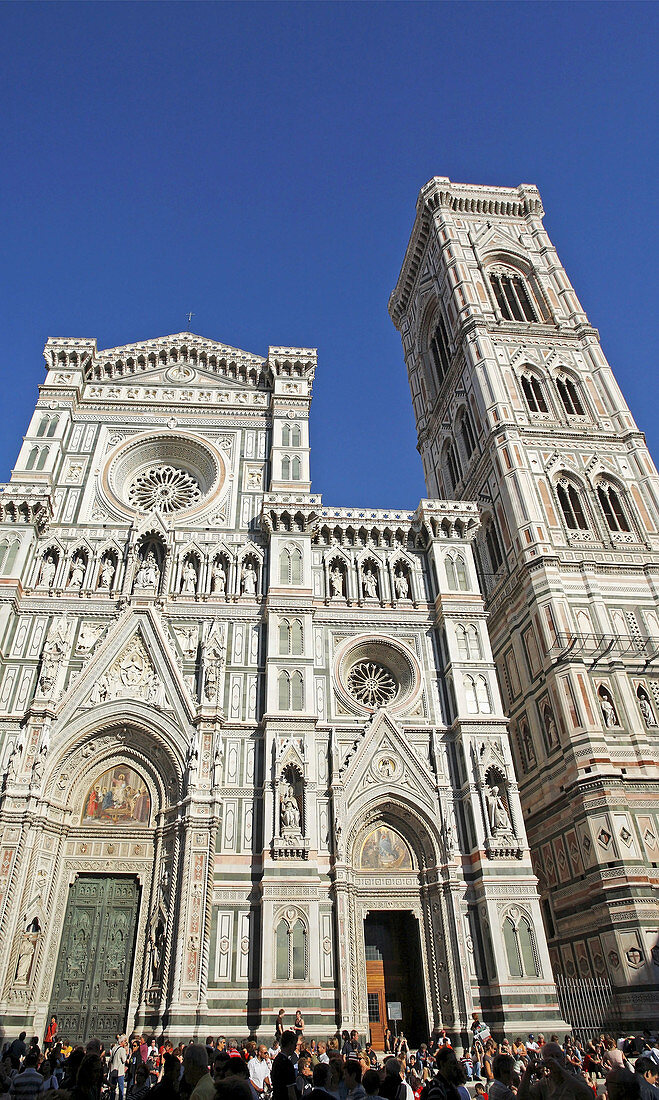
x=394 y=972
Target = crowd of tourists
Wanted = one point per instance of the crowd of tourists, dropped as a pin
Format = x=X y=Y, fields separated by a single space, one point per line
x=296 y=1067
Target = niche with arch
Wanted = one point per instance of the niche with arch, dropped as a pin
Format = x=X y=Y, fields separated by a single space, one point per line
x=497 y=802
x=219 y=575
x=151 y=555
x=370 y=575
x=190 y=574
x=645 y=707
x=607 y=707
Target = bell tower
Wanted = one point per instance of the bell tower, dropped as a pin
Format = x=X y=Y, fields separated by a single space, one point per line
x=518 y=409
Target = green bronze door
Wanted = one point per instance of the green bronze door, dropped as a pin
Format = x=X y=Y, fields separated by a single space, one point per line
x=95 y=962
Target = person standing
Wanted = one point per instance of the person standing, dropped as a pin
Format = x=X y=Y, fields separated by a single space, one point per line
x=282 y=1074
x=195 y=1071
x=259 y=1070
x=50 y=1038
x=117 y=1067
x=298 y=1024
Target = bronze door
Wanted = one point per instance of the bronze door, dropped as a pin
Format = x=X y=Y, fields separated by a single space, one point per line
x=94 y=966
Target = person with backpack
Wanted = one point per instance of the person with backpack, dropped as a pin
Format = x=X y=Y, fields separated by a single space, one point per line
x=449 y=1076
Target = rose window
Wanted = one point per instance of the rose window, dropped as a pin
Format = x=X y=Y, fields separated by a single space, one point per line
x=164 y=489
x=371 y=684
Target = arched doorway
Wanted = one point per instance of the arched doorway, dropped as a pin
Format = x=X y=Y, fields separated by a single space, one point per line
x=103 y=882
x=392 y=862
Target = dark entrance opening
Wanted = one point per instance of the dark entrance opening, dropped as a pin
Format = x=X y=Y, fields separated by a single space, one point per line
x=394 y=973
x=95 y=961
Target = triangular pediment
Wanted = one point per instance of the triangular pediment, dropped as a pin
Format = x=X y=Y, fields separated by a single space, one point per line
x=188 y=342
x=383 y=760
x=135 y=663
x=182 y=359
x=498 y=238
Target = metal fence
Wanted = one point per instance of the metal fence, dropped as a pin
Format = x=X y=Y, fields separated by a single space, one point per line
x=588 y=1004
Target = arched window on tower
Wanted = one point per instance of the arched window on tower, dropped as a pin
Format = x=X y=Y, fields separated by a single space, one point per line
x=290 y=566
x=296 y=469
x=286 y=435
x=296 y=436
x=456 y=573
x=534 y=394
x=571 y=506
x=296 y=638
x=466 y=433
x=452 y=465
x=286 y=468
x=439 y=352
x=614 y=513
x=569 y=396
x=284 y=691
x=32 y=459
x=297 y=691
x=513 y=296
x=493 y=546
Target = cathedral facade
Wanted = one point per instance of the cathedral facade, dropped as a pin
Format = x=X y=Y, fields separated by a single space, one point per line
x=518 y=409
x=253 y=749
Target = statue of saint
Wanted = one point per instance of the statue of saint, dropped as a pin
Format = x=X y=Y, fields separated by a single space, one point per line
x=218 y=579
x=370 y=584
x=13 y=767
x=498 y=815
x=148 y=573
x=77 y=573
x=189 y=581
x=25 y=956
x=336 y=581
x=401 y=584
x=290 y=811
x=608 y=711
x=107 y=574
x=47 y=572
x=550 y=726
x=249 y=579
x=646 y=711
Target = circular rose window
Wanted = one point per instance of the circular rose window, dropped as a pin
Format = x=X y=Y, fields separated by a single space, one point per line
x=373 y=671
x=164 y=473
x=164 y=489
x=371 y=683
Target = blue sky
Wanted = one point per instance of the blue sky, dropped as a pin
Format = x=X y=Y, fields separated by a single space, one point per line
x=259 y=165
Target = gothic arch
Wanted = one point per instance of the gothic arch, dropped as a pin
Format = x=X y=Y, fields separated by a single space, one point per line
x=571 y=390
x=400 y=812
x=572 y=496
x=509 y=262
x=107 y=735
